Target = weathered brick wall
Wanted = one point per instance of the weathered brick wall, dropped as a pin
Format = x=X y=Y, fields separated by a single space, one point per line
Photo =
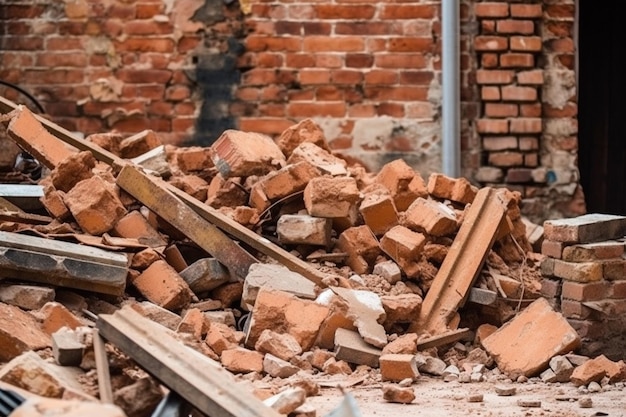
x=368 y=72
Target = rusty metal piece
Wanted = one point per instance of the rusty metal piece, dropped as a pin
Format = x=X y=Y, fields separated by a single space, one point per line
x=462 y=264
x=202 y=382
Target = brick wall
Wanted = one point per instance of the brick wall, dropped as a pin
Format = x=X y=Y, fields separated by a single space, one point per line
x=368 y=72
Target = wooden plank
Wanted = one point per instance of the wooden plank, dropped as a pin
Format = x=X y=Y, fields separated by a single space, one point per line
x=174 y=211
x=202 y=382
x=21 y=190
x=102 y=367
x=62 y=264
x=6 y=205
x=462 y=264
x=445 y=338
x=22 y=217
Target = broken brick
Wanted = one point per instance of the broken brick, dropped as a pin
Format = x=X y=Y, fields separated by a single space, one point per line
x=320 y=158
x=403 y=246
x=274 y=277
x=55 y=316
x=27 y=297
x=19 y=332
x=52 y=200
x=281 y=345
x=221 y=337
x=162 y=285
x=224 y=192
x=430 y=216
x=459 y=190
x=139 y=144
x=191 y=184
x=379 y=212
x=287 y=180
x=72 y=170
x=361 y=246
x=396 y=367
x=294 y=229
x=330 y=196
x=242 y=360
x=305 y=131
x=193 y=159
x=404 y=183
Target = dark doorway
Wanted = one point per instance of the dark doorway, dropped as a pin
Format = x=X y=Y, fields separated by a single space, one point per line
x=602 y=106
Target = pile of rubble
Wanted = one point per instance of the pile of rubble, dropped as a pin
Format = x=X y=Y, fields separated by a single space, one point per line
x=154 y=273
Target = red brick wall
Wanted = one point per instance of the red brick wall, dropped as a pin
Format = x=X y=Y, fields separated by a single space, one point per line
x=369 y=72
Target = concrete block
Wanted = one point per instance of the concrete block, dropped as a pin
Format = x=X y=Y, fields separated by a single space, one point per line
x=431 y=217
x=588 y=228
x=281 y=345
x=95 y=205
x=279 y=310
x=242 y=360
x=361 y=246
x=67 y=349
x=296 y=229
x=593 y=251
x=350 y=346
x=459 y=190
x=379 y=212
x=397 y=367
x=404 y=183
x=135 y=225
x=27 y=297
x=578 y=271
x=331 y=196
x=510 y=347
x=19 y=332
x=319 y=157
x=162 y=285
x=205 y=275
x=275 y=277
x=242 y=154
x=305 y=131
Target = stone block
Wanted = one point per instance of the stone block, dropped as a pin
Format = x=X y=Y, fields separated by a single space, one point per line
x=397 y=367
x=431 y=217
x=361 y=246
x=588 y=228
x=525 y=344
x=242 y=154
x=296 y=229
x=404 y=183
x=350 y=346
x=67 y=348
x=275 y=309
x=562 y=368
x=378 y=212
x=162 y=285
x=95 y=205
x=205 y=274
x=242 y=360
x=322 y=159
x=274 y=277
x=331 y=196
x=593 y=251
x=27 y=297
x=578 y=271
x=19 y=332
x=305 y=131
x=459 y=190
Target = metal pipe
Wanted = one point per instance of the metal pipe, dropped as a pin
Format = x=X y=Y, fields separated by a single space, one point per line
x=451 y=103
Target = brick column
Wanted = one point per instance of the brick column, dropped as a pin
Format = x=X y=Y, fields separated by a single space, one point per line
x=508 y=48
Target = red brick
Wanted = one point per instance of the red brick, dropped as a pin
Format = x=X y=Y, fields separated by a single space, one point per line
x=291 y=179
x=490 y=93
x=530 y=77
x=593 y=251
x=519 y=175
x=560 y=46
x=533 y=110
x=242 y=360
x=499 y=143
x=618 y=289
x=494 y=77
x=135 y=226
x=356 y=12
x=579 y=271
x=614 y=269
x=404 y=183
x=575 y=310
x=491 y=43
x=162 y=285
x=522 y=27
x=506 y=159
x=333 y=44
x=397 y=367
x=527 y=143
x=526 y=10
x=413 y=11
x=489 y=61
x=55 y=315
x=514 y=93
x=517 y=60
x=593 y=227
x=430 y=216
x=551 y=288
x=404 y=246
x=491 y=9
x=552 y=248
x=577 y=291
x=361 y=246
x=389 y=60
x=459 y=189
x=501 y=110
x=526 y=43
x=330 y=197
x=379 y=212
x=492 y=126
x=526 y=125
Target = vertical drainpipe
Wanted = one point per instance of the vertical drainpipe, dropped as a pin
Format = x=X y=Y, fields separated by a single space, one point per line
x=451 y=103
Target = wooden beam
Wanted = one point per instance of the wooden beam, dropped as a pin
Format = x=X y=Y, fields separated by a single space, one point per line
x=445 y=338
x=102 y=367
x=202 y=382
x=462 y=264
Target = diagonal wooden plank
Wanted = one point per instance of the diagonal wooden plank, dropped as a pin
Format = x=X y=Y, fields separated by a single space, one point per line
x=174 y=211
x=462 y=264
x=204 y=383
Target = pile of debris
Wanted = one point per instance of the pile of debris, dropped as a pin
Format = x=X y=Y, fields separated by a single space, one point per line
x=161 y=271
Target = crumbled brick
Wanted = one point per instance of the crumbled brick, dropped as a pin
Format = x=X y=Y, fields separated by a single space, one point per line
x=404 y=183
x=305 y=131
x=162 y=285
x=241 y=154
x=294 y=229
x=459 y=190
x=331 y=196
x=361 y=246
x=379 y=212
x=430 y=216
x=242 y=360
x=397 y=366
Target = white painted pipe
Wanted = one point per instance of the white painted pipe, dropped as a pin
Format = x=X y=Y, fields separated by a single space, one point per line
x=451 y=101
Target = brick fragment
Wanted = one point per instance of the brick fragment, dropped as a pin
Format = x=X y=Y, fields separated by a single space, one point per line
x=52 y=200
x=294 y=229
x=404 y=183
x=281 y=345
x=139 y=398
x=241 y=154
x=277 y=367
x=193 y=185
x=597 y=368
x=139 y=143
x=55 y=316
x=27 y=297
x=193 y=159
x=614 y=269
x=305 y=131
x=509 y=345
x=275 y=277
x=338 y=317
x=162 y=285
x=388 y=270
x=331 y=196
x=287 y=401
x=587 y=228
x=72 y=170
x=349 y=346
x=406 y=343
x=459 y=190
x=578 y=271
x=242 y=360
x=396 y=367
x=19 y=332
x=221 y=337
x=94 y=205
x=361 y=246
x=226 y=192
x=287 y=181
x=401 y=308
x=157 y=314
x=562 y=368
x=379 y=212
x=135 y=225
x=320 y=158
x=404 y=246
x=552 y=248
x=280 y=311
x=144 y=258
x=593 y=251
x=194 y=323
x=431 y=217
